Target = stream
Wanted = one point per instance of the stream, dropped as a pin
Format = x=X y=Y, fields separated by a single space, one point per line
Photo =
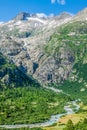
x=53 y=119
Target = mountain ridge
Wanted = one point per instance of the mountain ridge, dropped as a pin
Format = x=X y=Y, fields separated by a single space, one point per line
x=24 y=15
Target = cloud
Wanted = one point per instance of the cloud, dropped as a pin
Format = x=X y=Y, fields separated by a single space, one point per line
x=53 y=1
x=62 y=2
x=1 y=22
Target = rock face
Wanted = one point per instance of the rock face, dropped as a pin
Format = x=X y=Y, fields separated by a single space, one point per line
x=46 y=48
x=56 y=67
x=13 y=76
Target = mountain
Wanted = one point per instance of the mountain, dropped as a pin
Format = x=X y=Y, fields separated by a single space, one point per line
x=47 y=48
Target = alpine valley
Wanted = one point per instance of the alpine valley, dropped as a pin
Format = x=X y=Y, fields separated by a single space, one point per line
x=43 y=72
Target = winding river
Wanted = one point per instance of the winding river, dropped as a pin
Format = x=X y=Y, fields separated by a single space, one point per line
x=53 y=119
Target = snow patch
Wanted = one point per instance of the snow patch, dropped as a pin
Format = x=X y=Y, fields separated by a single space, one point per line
x=37 y=19
x=41 y=15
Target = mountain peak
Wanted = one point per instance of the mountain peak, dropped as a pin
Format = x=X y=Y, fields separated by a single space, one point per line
x=63 y=15
x=22 y=16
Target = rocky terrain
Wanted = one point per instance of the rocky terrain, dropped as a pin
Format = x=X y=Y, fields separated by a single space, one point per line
x=46 y=48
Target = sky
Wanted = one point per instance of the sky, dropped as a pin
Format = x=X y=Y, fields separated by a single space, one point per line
x=10 y=8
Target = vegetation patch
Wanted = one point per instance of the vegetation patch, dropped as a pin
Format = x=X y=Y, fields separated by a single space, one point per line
x=26 y=105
